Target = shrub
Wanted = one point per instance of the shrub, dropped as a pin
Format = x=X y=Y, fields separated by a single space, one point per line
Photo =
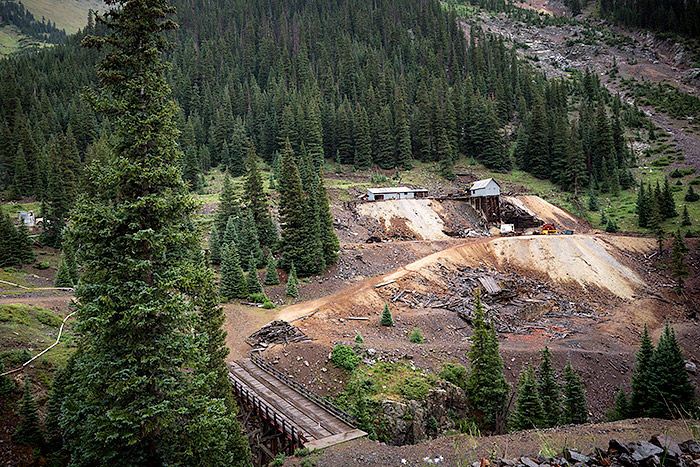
x=387 y=320
x=416 y=336
x=455 y=373
x=433 y=423
x=43 y=265
x=48 y=318
x=302 y=452
x=259 y=297
x=359 y=339
x=344 y=357
x=414 y=388
x=278 y=460
x=691 y=195
x=268 y=305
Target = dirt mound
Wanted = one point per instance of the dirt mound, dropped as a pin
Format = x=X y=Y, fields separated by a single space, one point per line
x=420 y=216
x=549 y=213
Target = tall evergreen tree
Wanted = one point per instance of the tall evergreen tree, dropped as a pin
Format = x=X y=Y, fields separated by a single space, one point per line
x=329 y=240
x=528 y=407
x=227 y=204
x=363 y=141
x=233 y=281
x=258 y=202
x=575 y=409
x=641 y=396
x=487 y=388
x=672 y=394
x=139 y=362
x=271 y=276
x=252 y=280
x=214 y=246
x=548 y=390
x=620 y=410
x=28 y=432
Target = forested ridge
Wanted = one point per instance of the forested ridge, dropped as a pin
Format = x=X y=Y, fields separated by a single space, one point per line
x=675 y=16
x=362 y=83
x=16 y=14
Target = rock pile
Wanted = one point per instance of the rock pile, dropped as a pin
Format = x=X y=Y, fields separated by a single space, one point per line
x=659 y=450
x=276 y=332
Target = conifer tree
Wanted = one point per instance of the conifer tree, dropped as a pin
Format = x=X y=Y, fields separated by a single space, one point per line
x=672 y=394
x=575 y=170
x=248 y=240
x=230 y=232
x=214 y=246
x=53 y=407
x=667 y=204
x=679 y=264
x=291 y=290
x=9 y=254
x=387 y=319
x=363 y=141
x=252 y=280
x=233 y=282
x=257 y=201
x=28 y=433
x=686 y=217
x=227 y=204
x=63 y=278
x=7 y=384
x=528 y=407
x=592 y=199
x=655 y=225
x=329 y=240
x=640 y=399
x=71 y=263
x=643 y=206
x=271 y=275
x=620 y=410
x=575 y=410
x=139 y=363
x=548 y=390
x=444 y=153
x=404 y=152
x=691 y=195
x=487 y=388
x=24 y=248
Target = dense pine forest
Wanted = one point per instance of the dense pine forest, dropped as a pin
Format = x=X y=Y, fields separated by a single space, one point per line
x=16 y=14
x=675 y=16
x=365 y=84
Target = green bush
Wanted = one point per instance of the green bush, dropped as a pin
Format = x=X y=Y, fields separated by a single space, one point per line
x=43 y=265
x=455 y=373
x=16 y=313
x=344 y=357
x=359 y=339
x=416 y=336
x=278 y=460
x=48 y=318
x=268 y=305
x=302 y=452
x=414 y=388
x=258 y=298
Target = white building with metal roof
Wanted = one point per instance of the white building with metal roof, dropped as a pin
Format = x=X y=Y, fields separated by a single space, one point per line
x=402 y=192
x=487 y=187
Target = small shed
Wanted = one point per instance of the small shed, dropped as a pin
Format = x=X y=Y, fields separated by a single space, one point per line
x=27 y=218
x=379 y=194
x=487 y=187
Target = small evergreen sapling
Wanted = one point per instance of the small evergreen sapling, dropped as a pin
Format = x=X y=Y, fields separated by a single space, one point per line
x=686 y=217
x=7 y=384
x=63 y=278
x=620 y=410
x=416 y=336
x=28 y=433
x=359 y=339
x=691 y=195
x=679 y=264
x=253 y=281
x=387 y=319
x=575 y=410
x=271 y=275
x=292 y=280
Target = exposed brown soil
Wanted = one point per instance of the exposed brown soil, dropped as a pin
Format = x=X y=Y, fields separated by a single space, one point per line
x=464 y=450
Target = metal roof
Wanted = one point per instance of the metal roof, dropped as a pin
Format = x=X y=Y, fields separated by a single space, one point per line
x=483 y=183
x=401 y=189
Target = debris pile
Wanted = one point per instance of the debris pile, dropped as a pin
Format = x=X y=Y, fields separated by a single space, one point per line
x=276 y=332
x=660 y=450
x=513 y=212
x=514 y=303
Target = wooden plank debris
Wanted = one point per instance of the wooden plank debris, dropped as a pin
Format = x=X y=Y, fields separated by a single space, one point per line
x=382 y=284
x=490 y=284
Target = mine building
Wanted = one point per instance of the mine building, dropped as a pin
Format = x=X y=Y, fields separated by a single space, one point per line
x=379 y=194
x=485 y=197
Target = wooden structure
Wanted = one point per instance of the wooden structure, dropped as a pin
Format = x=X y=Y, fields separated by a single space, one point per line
x=379 y=194
x=485 y=198
x=288 y=415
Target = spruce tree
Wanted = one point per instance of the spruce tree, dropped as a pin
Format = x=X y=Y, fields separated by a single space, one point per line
x=686 y=217
x=227 y=204
x=7 y=384
x=575 y=410
x=641 y=396
x=528 y=407
x=643 y=206
x=363 y=141
x=9 y=252
x=444 y=153
x=387 y=319
x=252 y=280
x=271 y=275
x=548 y=390
x=24 y=245
x=673 y=395
x=620 y=410
x=139 y=363
x=63 y=278
x=28 y=433
x=291 y=290
x=691 y=195
x=57 y=394
x=679 y=264
x=248 y=240
x=230 y=232
x=71 y=263
x=329 y=240
x=668 y=203
x=233 y=282
x=258 y=202
x=214 y=246
x=655 y=225
x=487 y=388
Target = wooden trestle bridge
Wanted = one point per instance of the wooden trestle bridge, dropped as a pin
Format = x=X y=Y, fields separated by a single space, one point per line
x=280 y=415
